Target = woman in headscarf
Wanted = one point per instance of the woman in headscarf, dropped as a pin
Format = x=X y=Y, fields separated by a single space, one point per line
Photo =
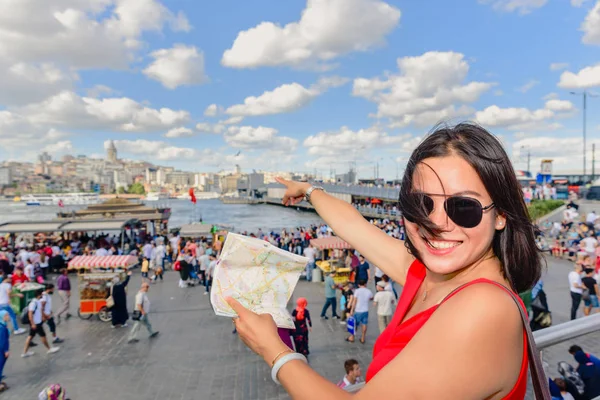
x=4 y=335
x=119 y=310
x=303 y=326
x=589 y=374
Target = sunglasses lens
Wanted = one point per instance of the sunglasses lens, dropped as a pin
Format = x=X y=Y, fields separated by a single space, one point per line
x=416 y=205
x=464 y=211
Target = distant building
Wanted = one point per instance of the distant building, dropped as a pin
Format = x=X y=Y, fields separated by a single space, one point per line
x=5 y=176
x=111 y=152
x=44 y=158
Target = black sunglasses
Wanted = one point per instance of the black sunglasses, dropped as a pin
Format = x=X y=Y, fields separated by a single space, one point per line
x=463 y=211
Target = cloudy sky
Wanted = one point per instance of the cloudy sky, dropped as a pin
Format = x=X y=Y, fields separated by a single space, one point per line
x=298 y=84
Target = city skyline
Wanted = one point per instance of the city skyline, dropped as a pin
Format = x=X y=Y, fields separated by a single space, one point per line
x=304 y=86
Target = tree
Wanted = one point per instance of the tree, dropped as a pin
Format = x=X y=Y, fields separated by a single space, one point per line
x=136 y=188
x=121 y=190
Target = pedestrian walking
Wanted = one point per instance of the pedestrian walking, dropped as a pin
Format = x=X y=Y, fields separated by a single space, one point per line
x=303 y=325
x=47 y=312
x=360 y=310
x=142 y=308
x=591 y=298
x=4 y=346
x=576 y=287
x=209 y=272
x=64 y=291
x=5 y=295
x=35 y=318
x=384 y=300
x=119 y=312
x=330 y=299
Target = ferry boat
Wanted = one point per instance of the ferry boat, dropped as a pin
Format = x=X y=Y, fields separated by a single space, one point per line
x=156 y=196
x=200 y=196
x=60 y=199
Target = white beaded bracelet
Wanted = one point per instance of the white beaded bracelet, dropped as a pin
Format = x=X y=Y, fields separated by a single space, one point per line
x=282 y=361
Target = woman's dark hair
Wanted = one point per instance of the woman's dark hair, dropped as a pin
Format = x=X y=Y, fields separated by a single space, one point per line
x=514 y=245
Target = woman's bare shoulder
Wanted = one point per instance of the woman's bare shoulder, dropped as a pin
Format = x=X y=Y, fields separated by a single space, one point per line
x=472 y=344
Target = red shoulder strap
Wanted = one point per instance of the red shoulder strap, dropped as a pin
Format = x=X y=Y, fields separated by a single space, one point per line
x=538 y=377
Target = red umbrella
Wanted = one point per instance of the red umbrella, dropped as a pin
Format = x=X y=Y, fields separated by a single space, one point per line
x=375 y=201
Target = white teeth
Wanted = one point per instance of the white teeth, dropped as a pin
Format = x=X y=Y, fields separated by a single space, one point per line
x=442 y=244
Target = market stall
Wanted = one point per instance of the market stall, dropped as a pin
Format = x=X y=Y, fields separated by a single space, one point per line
x=95 y=275
x=332 y=257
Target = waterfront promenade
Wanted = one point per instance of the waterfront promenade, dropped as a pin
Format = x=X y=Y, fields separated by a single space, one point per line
x=197 y=357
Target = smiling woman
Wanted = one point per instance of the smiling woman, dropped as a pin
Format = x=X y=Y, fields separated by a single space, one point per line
x=458 y=331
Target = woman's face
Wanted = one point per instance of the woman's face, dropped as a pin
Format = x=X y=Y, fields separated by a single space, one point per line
x=457 y=247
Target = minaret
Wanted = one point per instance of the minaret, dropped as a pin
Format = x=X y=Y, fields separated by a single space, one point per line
x=111 y=152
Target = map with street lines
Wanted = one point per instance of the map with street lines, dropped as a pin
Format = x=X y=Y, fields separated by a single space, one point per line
x=259 y=275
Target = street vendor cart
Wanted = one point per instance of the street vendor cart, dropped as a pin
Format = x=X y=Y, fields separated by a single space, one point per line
x=95 y=276
x=27 y=289
x=332 y=257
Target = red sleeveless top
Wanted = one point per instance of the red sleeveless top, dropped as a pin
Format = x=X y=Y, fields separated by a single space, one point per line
x=397 y=335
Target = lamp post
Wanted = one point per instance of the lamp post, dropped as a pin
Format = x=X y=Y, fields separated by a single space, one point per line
x=585 y=95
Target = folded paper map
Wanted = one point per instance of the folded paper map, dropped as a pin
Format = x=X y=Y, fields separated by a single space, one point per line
x=259 y=275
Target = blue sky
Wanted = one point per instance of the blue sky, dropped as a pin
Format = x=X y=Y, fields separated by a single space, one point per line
x=295 y=85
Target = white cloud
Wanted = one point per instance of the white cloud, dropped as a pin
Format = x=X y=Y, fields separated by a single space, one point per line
x=347 y=142
x=81 y=34
x=520 y=6
x=566 y=152
x=177 y=66
x=213 y=110
x=524 y=119
x=559 y=66
x=18 y=132
x=551 y=96
x=232 y=120
x=68 y=109
x=205 y=127
x=591 y=26
x=179 y=132
x=248 y=137
x=586 y=78
x=578 y=3
x=528 y=86
x=162 y=151
x=428 y=88
x=498 y=92
x=62 y=147
x=326 y=30
x=283 y=99
x=559 y=105
x=100 y=91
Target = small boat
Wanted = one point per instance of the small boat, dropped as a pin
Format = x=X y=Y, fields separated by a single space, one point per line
x=33 y=203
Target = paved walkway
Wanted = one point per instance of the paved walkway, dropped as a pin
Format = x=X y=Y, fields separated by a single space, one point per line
x=197 y=357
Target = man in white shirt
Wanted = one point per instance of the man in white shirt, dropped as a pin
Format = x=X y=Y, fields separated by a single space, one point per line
x=360 y=309
x=101 y=252
x=591 y=217
x=590 y=243
x=5 y=295
x=29 y=270
x=142 y=305
x=204 y=261
x=310 y=252
x=36 y=319
x=209 y=272
x=47 y=311
x=384 y=300
x=576 y=287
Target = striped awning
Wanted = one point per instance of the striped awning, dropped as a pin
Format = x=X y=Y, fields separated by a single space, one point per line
x=332 y=242
x=102 y=262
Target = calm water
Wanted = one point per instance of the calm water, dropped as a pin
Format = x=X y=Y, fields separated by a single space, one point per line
x=241 y=216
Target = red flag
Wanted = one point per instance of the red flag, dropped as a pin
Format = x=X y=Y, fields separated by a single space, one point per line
x=60 y=203
x=192 y=195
